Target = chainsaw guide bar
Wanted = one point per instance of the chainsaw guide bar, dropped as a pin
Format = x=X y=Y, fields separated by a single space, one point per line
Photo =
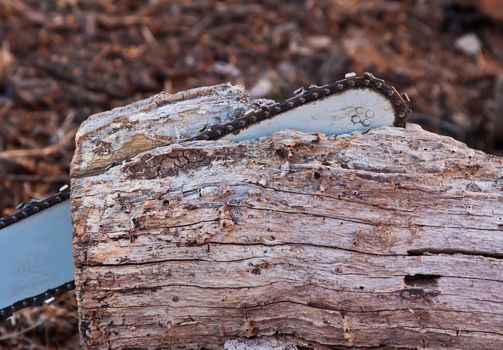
x=397 y=104
x=313 y=93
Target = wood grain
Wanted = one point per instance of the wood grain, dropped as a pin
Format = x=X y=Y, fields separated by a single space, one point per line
x=391 y=238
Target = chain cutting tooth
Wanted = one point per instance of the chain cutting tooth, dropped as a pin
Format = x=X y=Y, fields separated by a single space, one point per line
x=299 y=91
x=368 y=76
x=249 y=113
x=49 y=300
x=21 y=205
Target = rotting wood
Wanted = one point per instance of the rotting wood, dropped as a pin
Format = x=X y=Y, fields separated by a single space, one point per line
x=389 y=238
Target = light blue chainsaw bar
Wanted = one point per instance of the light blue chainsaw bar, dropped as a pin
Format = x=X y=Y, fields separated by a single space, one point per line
x=36 y=254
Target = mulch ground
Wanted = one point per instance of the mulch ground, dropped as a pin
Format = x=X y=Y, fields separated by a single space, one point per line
x=61 y=61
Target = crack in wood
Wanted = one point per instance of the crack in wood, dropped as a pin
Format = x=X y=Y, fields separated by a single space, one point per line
x=421 y=280
x=434 y=251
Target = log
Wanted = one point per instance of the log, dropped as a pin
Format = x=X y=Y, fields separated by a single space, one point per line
x=391 y=238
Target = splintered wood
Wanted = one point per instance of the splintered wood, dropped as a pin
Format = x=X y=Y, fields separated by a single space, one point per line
x=389 y=238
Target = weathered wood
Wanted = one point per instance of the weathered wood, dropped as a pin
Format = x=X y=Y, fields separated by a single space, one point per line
x=389 y=238
x=113 y=136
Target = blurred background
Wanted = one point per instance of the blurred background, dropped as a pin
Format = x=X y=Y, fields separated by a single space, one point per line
x=63 y=60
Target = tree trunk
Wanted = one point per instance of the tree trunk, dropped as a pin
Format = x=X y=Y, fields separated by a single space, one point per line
x=391 y=238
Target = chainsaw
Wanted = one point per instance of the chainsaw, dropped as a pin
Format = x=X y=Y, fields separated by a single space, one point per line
x=36 y=262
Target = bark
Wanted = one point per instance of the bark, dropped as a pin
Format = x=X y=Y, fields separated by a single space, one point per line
x=391 y=238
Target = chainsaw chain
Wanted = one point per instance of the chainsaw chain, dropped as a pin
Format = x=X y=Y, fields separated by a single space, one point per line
x=401 y=105
x=34 y=206
x=25 y=210
x=36 y=300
